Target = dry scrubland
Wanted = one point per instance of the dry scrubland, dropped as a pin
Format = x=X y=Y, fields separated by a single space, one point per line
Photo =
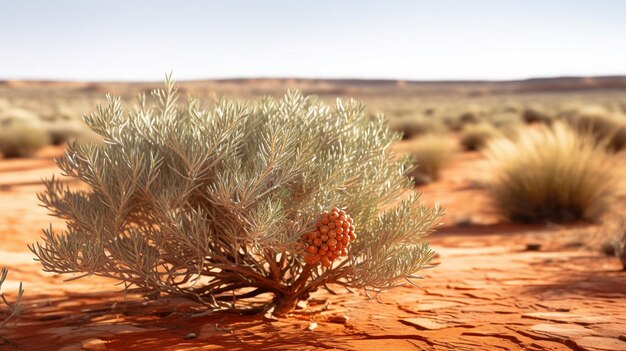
x=531 y=174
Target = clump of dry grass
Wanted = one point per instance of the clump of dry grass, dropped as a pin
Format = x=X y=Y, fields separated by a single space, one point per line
x=506 y=122
x=20 y=137
x=432 y=152
x=470 y=116
x=60 y=132
x=62 y=113
x=551 y=174
x=605 y=127
x=476 y=136
x=412 y=127
x=535 y=114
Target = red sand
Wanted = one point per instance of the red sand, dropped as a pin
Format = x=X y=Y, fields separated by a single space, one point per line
x=488 y=293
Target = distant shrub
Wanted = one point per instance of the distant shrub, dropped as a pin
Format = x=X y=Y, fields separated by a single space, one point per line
x=469 y=117
x=414 y=127
x=60 y=132
x=512 y=107
x=15 y=308
x=61 y=114
x=431 y=152
x=605 y=127
x=534 y=114
x=452 y=122
x=551 y=174
x=430 y=111
x=224 y=204
x=506 y=121
x=14 y=113
x=476 y=136
x=21 y=137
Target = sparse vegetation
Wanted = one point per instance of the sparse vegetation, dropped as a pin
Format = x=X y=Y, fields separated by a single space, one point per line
x=14 y=309
x=551 y=174
x=534 y=114
x=432 y=152
x=21 y=137
x=218 y=205
x=506 y=122
x=606 y=128
x=60 y=132
x=414 y=127
x=476 y=136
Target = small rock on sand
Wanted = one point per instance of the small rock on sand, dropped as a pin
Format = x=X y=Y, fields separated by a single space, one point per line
x=94 y=344
x=596 y=343
x=424 y=323
x=561 y=331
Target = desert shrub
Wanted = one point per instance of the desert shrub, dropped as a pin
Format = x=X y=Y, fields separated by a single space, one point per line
x=15 y=308
x=414 y=127
x=61 y=131
x=432 y=152
x=61 y=114
x=21 y=137
x=551 y=174
x=452 y=122
x=606 y=128
x=535 y=114
x=468 y=117
x=476 y=136
x=14 y=113
x=220 y=205
x=506 y=121
x=512 y=107
x=430 y=111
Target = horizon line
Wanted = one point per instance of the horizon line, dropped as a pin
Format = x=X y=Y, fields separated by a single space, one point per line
x=344 y=79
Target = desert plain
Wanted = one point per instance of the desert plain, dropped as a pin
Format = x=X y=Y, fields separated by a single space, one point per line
x=496 y=285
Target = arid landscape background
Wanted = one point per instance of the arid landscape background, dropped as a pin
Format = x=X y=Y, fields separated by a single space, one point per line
x=499 y=285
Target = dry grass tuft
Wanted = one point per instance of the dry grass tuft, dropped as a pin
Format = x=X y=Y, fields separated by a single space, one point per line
x=606 y=128
x=60 y=132
x=417 y=126
x=476 y=136
x=534 y=114
x=432 y=152
x=551 y=174
x=20 y=137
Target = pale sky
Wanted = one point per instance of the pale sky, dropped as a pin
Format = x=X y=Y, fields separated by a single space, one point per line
x=420 y=40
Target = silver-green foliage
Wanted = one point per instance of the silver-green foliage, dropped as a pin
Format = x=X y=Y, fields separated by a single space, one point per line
x=210 y=204
x=14 y=308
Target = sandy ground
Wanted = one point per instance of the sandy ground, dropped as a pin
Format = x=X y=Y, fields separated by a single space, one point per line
x=489 y=292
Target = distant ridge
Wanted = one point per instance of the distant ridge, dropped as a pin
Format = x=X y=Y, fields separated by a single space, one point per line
x=257 y=86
